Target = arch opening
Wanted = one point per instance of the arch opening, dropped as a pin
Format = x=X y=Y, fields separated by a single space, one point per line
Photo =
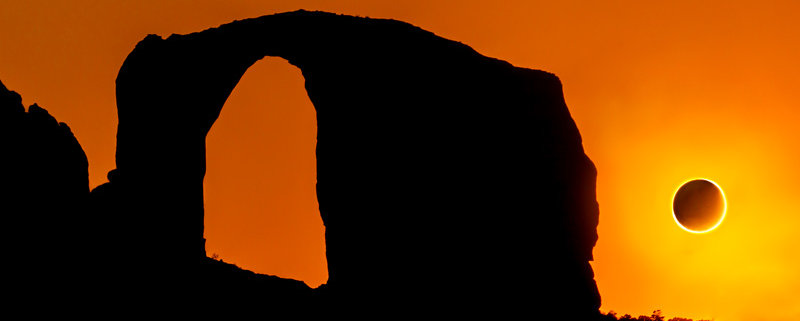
x=261 y=210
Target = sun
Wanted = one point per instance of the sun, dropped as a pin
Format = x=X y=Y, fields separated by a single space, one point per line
x=699 y=205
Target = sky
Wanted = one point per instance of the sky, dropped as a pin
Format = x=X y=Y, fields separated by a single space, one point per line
x=661 y=92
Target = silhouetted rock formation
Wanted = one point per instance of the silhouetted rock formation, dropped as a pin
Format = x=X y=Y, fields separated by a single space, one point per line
x=45 y=183
x=446 y=179
x=443 y=175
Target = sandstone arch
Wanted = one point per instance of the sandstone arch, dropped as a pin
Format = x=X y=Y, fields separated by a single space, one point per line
x=443 y=175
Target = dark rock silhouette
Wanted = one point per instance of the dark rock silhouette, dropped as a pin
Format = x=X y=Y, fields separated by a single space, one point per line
x=448 y=182
x=44 y=186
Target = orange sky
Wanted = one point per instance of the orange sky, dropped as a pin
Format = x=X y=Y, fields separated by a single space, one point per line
x=661 y=93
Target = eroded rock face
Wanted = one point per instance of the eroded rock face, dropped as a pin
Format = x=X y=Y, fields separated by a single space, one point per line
x=40 y=150
x=44 y=185
x=443 y=175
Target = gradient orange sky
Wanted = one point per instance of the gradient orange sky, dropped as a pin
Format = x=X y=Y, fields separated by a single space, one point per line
x=661 y=93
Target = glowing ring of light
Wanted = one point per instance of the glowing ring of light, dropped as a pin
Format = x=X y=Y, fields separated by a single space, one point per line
x=724 y=206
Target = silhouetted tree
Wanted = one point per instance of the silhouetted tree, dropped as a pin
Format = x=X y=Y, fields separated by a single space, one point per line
x=610 y=316
x=657 y=316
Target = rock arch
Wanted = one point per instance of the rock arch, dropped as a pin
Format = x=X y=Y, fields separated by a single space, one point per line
x=443 y=175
